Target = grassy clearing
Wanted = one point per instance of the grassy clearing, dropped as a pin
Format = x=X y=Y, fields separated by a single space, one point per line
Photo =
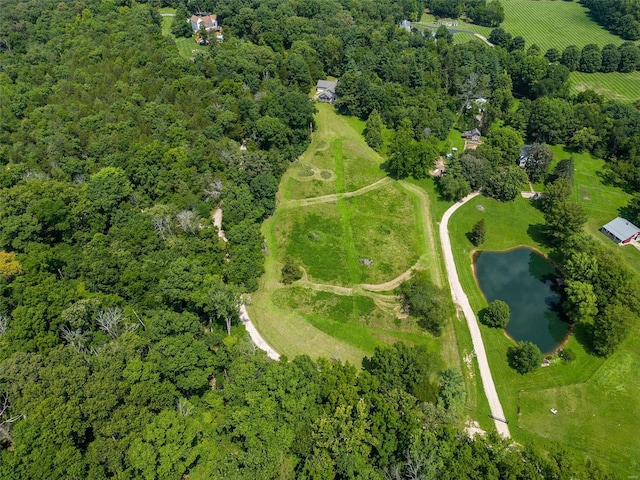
x=587 y=392
x=617 y=86
x=314 y=237
x=583 y=419
x=383 y=223
x=337 y=143
x=547 y=23
x=328 y=313
x=355 y=320
x=187 y=47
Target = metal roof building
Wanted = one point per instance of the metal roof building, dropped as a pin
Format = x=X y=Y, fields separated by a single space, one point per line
x=621 y=231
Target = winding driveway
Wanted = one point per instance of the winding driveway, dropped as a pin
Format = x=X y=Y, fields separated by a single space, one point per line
x=461 y=299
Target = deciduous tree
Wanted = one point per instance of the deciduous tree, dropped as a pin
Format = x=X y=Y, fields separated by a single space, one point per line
x=581 y=302
x=525 y=357
x=497 y=314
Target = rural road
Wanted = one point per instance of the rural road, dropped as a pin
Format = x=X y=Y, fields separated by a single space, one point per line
x=461 y=299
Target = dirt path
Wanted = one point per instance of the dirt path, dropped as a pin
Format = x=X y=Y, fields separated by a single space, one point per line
x=483 y=39
x=395 y=283
x=461 y=299
x=217 y=221
x=334 y=196
x=255 y=336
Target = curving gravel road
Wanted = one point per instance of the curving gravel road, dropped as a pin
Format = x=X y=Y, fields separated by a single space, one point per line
x=256 y=338
x=461 y=299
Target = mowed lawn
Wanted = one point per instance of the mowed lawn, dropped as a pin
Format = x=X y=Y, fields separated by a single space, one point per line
x=599 y=416
x=601 y=201
x=558 y=24
x=547 y=23
x=341 y=243
x=187 y=47
x=617 y=86
x=593 y=400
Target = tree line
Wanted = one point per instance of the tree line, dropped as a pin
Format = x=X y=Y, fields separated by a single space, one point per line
x=617 y=16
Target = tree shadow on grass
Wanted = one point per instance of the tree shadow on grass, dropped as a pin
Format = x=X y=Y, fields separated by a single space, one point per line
x=583 y=333
x=537 y=233
x=469 y=236
x=609 y=179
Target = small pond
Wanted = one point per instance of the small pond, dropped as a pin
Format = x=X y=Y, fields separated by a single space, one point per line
x=523 y=278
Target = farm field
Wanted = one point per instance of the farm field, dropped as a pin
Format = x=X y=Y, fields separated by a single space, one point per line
x=547 y=23
x=357 y=235
x=617 y=86
x=593 y=396
x=551 y=23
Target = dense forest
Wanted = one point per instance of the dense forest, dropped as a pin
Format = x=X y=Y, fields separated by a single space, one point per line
x=120 y=354
x=621 y=17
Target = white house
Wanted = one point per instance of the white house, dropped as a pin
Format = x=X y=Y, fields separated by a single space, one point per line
x=210 y=22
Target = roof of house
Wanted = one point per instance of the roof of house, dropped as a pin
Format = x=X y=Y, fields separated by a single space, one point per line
x=209 y=20
x=327 y=85
x=471 y=133
x=621 y=228
x=524 y=151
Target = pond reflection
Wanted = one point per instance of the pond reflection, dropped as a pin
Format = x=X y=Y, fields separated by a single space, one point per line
x=524 y=279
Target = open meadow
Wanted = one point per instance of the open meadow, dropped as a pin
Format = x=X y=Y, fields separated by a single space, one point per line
x=356 y=235
x=597 y=402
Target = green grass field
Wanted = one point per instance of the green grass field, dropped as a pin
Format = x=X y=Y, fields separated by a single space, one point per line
x=334 y=311
x=555 y=23
x=346 y=160
x=547 y=23
x=617 y=86
x=594 y=396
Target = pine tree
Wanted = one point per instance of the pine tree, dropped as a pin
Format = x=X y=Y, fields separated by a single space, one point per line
x=478 y=233
x=373 y=131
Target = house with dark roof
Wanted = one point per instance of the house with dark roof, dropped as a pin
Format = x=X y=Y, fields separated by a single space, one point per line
x=326 y=91
x=524 y=155
x=621 y=231
x=473 y=135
